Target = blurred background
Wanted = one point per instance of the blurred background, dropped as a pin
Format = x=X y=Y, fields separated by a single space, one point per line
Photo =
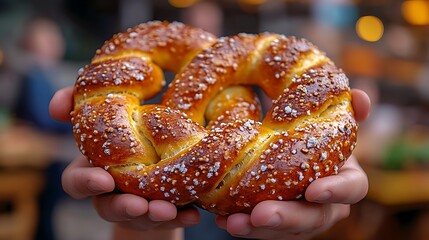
x=382 y=45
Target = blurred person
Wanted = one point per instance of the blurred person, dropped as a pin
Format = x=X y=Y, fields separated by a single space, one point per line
x=327 y=200
x=205 y=15
x=43 y=47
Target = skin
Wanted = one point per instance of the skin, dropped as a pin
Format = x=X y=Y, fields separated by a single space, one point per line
x=327 y=200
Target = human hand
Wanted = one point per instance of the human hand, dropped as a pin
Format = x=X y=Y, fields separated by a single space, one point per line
x=327 y=200
x=81 y=180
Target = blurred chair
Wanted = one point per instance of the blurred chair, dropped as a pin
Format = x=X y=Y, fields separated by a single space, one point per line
x=23 y=156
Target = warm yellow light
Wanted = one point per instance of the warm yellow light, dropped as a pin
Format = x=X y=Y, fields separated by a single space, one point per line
x=252 y=2
x=416 y=11
x=250 y=6
x=369 y=28
x=182 y=3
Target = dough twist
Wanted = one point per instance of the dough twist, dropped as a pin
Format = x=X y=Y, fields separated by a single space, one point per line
x=235 y=161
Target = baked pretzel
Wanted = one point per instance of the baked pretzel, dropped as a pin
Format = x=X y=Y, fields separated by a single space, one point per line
x=204 y=143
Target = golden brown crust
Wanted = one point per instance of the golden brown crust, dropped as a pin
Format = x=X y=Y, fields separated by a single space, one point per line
x=135 y=76
x=235 y=161
x=167 y=44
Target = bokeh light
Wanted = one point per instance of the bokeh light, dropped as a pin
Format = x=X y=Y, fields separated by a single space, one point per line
x=182 y=3
x=252 y=2
x=416 y=12
x=369 y=28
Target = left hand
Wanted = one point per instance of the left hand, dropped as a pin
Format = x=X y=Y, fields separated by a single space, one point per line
x=327 y=200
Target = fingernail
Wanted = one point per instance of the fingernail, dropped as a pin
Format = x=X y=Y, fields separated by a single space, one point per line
x=153 y=218
x=324 y=196
x=244 y=231
x=274 y=221
x=132 y=214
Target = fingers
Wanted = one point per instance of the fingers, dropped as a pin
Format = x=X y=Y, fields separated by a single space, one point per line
x=61 y=104
x=162 y=211
x=296 y=216
x=189 y=216
x=132 y=211
x=328 y=201
x=285 y=220
x=238 y=224
x=120 y=207
x=349 y=186
x=81 y=180
x=361 y=104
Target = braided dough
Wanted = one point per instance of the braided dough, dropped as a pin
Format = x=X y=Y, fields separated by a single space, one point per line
x=205 y=143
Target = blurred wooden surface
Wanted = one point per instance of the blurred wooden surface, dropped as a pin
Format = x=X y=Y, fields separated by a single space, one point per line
x=20 y=188
x=398 y=187
x=24 y=153
x=23 y=146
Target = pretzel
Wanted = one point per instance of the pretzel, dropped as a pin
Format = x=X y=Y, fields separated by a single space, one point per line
x=205 y=143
